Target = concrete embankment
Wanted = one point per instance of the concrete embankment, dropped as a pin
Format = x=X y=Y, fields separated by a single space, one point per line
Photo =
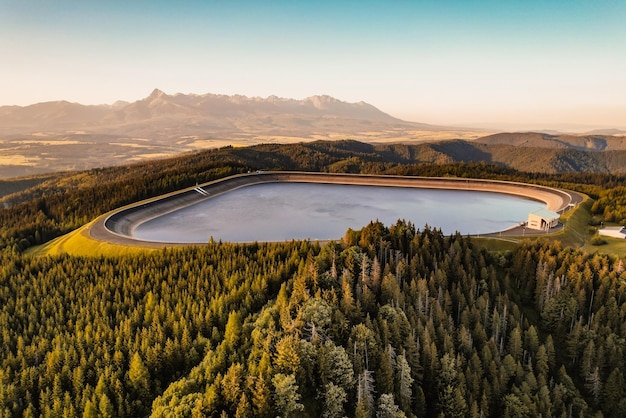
x=118 y=226
x=555 y=199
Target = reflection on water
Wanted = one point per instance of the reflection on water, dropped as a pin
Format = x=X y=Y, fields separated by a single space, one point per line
x=286 y=211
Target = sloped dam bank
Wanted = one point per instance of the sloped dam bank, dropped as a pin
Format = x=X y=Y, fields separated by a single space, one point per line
x=120 y=225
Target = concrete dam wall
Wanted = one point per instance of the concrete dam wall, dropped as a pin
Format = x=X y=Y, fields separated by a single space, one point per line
x=118 y=226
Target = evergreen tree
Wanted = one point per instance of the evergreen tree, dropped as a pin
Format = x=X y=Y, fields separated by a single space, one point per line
x=286 y=395
x=334 y=398
x=139 y=377
x=387 y=407
x=405 y=383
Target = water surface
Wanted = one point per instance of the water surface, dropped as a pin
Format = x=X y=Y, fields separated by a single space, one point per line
x=286 y=211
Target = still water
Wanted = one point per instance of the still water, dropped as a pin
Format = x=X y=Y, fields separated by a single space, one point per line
x=286 y=211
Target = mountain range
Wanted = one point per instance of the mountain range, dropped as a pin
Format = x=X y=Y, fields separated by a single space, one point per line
x=162 y=115
x=60 y=136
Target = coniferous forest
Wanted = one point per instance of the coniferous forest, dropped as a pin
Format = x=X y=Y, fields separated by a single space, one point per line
x=390 y=321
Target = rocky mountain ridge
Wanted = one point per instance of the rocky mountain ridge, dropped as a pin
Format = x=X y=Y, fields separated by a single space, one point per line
x=199 y=113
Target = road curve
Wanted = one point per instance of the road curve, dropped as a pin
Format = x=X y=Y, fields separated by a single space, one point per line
x=118 y=225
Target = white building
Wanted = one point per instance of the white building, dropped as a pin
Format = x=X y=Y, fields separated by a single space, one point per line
x=543 y=219
x=613 y=231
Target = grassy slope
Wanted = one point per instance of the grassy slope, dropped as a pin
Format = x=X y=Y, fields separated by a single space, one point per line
x=79 y=243
x=615 y=246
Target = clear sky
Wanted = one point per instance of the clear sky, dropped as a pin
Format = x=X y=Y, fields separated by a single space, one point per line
x=517 y=64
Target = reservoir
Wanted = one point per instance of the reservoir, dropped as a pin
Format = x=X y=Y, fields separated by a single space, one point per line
x=289 y=210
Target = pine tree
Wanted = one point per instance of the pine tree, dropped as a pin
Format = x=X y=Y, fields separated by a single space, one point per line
x=614 y=394
x=405 y=383
x=348 y=304
x=260 y=397
x=232 y=384
x=387 y=407
x=515 y=346
x=90 y=410
x=365 y=393
x=139 y=377
x=105 y=407
x=287 y=358
x=593 y=382
x=286 y=395
x=232 y=333
x=334 y=398
x=243 y=408
x=451 y=398
x=385 y=373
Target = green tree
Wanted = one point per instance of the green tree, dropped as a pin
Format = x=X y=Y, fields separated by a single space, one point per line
x=286 y=395
x=387 y=407
x=90 y=410
x=232 y=333
x=451 y=398
x=105 y=407
x=287 y=358
x=405 y=382
x=515 y=407
x=260 y=397
x=515 y=347
x=139 y=377
x=244 y=409
x=385 y=373
x=232 y=384
x=334 y=398
x=335 y=366
x=615 y=394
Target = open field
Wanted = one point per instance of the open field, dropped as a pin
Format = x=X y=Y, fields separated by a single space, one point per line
x=29 y=155
x=43 y=152
x=614 y=246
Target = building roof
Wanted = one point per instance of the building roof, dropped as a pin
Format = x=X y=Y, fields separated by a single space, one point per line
x=612 y=228
x=545 y=214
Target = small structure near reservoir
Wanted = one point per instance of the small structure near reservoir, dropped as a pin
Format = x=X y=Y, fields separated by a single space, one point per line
x=543 y=219
x=613 y=231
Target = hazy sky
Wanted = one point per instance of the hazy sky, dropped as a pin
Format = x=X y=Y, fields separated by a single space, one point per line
x=541 y=64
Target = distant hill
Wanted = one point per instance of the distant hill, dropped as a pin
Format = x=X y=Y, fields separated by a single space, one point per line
x=607 y=132
x=526 y=159
x=587 y=142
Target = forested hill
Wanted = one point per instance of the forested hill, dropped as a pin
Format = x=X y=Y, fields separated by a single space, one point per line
x=595 y=142
x=392 y=321
x=532 y=158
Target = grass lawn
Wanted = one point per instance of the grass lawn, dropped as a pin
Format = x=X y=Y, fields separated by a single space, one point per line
x=614 y=246
x=79 y=243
